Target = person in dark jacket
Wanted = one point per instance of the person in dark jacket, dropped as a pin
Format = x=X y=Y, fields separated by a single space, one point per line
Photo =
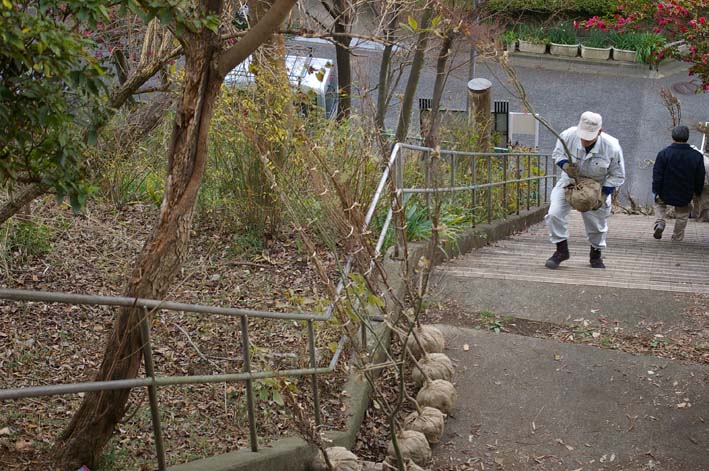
x=678 y=174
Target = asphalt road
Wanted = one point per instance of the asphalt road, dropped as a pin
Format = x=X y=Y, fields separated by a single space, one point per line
x=631 y=105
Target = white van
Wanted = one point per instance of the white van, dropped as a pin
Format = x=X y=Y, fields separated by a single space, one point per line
x=315 y=76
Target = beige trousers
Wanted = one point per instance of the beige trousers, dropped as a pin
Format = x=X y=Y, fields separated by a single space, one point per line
x=681 y=213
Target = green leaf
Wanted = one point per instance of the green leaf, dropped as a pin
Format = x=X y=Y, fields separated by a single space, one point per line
x=413 y=24
x=166 y=16
x=435 y=21
x=375 y=300
x=277 y=398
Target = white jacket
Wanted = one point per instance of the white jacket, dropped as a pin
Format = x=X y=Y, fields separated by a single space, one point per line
x=604 y=163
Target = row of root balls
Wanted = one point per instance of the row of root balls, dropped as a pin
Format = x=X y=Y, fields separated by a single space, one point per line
x=432 y=371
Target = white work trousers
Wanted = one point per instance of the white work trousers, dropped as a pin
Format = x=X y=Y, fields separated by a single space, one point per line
x=596 y=221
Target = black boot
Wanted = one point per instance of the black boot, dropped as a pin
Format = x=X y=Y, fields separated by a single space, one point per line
x=596 y=260
x=561 y=254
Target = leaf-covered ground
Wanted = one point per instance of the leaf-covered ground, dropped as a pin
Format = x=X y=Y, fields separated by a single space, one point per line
x=92 y=254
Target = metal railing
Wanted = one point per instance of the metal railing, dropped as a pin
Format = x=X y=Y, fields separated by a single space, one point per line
x=530 y=176
x=152 y=381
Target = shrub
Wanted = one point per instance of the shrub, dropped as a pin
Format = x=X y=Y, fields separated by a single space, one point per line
x=509 y=37
x=25 y=240
x=645 y=44
x=578 y=7
x=532 y=34
x=563 y=34
x=597 y=39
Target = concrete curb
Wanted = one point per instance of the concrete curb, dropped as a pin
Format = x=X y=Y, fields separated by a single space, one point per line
x=295 y=454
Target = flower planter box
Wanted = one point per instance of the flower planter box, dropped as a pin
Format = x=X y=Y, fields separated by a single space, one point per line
x=598 y=53
x=565 y=50
x=511 y=47
x=624 y=55
x=534 y=48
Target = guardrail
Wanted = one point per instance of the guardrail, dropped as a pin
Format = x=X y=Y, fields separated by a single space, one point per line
x=514 y=171
x=395 y=165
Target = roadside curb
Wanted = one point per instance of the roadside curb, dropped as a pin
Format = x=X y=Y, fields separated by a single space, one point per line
x=294 y=453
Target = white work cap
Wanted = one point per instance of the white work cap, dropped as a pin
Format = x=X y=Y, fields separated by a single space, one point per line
x=589 y=124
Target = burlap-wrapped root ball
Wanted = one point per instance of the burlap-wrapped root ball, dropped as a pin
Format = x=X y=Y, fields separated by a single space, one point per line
x=410 y=465
x=413 y=446
x=341 y=459
x=435 y=365
x=430 y=422
x=431 y=340
x=439 y=394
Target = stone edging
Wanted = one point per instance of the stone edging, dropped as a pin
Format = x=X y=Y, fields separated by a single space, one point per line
x=293 y=453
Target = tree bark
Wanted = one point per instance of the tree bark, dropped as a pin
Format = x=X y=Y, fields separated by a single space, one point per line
x=402 y=128
x=26 y=195
x=385 y=65
x=342 y=22
x=431 y=138
x=165 y=250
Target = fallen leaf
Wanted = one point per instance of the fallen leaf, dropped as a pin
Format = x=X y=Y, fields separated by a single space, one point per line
x=22 y=445
x=466 y=347
x=5 y=431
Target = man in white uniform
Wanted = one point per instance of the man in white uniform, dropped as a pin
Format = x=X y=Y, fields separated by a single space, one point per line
x=598 y=156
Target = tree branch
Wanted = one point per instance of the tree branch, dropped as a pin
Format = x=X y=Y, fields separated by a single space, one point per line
x=262 y=30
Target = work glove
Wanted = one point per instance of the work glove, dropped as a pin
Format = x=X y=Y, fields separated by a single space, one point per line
x=571 y=170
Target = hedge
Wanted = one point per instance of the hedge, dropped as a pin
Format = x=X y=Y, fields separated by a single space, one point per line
x=580 y=7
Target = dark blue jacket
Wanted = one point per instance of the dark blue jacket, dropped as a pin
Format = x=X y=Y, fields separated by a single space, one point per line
x=677 y=174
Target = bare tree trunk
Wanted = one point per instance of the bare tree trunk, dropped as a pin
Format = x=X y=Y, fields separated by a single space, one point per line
x=402 y=129
x=166 y=248
x=431 y=139
x=343 y=20
x=385 y=65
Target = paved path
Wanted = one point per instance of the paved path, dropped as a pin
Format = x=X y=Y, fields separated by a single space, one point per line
x=539 y=404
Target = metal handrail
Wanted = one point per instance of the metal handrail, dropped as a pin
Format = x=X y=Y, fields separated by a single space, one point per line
x=393 y=167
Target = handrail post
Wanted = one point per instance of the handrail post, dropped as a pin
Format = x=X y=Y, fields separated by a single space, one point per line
x=249 y=383
x=518 y=174
x=453 y=164
x=475 y=182
x=546 y=179
x=313 y=365
x=529 y=176
x=489 y=190
x=152 y=389
x=539 y=182
x=427 y=178
x=504 y=186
